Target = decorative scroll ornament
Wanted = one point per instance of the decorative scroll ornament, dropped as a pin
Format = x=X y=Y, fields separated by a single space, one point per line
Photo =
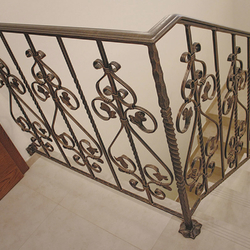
x=40 y=134
x=116 y=101
x=48 y=85
x=197 y=87
x=236 y=81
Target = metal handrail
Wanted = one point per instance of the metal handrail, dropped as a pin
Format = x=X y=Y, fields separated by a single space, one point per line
x=133 y=37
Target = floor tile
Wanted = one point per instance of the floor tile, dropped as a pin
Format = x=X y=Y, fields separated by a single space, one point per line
x=64 y=230
x=21 y=212
x=55 y=208
x=52 y=180
x=133 y=221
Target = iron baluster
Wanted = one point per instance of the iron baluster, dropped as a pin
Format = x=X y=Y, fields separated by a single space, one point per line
x=217 y=70
x=235 y=110
x=189 y=228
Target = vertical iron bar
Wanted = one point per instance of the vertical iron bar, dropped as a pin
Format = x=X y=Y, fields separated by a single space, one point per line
x=235 y=110
x=190 y=49
x=123 y=117
x=197 y=108
x=217 y=70
x=191 y=226
x=248 y=93
x=76 y=81
x=59 y=107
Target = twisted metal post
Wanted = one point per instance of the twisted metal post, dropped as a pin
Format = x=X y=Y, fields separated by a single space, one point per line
x=235 y=110
x=189 y=228
x=217 y=70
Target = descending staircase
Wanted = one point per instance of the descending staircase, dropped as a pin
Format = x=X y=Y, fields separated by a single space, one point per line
x=209 y=129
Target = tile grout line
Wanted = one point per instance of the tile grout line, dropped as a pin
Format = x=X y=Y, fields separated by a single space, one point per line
x=39 y=223
x=161 y=233
x=98 y=226
x=220 y=231
x=59 y=204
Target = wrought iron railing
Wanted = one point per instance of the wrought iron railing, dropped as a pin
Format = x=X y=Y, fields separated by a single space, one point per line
x=85 y=150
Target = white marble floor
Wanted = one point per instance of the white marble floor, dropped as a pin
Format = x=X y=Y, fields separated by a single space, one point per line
x=54 y=208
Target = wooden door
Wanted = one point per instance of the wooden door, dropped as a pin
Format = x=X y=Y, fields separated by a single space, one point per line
x=12 y=165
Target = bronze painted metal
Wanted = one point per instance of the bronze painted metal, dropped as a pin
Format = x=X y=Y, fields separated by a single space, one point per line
x=195 y=91
x=86 y=152
x=236 y=81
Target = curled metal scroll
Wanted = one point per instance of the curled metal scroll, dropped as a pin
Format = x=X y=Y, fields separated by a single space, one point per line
x=197 y=87
x=48 y=85
x=119 y=101
x=236 y=81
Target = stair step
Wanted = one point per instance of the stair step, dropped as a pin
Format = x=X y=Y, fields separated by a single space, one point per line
x=242 y=96
x=225 y=203
x=225 y=119
x=223 y=229
x=224 y=211
x=210 y=130
x=217 y=174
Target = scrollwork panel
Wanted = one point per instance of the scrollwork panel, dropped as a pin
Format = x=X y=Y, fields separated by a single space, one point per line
x=24 y=116
x=118 y=101
x=198 y=87
x=48 y=87
x=234 y=110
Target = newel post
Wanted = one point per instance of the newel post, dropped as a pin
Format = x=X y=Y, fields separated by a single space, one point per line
x=189 y=228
